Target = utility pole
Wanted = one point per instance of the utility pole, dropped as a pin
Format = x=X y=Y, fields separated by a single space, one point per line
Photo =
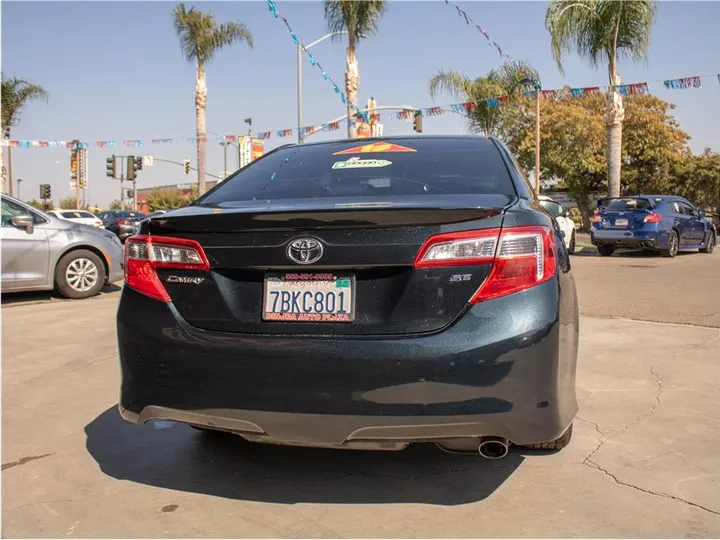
x=537 y=138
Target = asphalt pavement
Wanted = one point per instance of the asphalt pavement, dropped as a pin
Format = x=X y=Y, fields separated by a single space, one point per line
x=642 y=463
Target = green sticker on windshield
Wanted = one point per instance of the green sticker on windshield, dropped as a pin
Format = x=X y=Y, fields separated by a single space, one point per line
x=357 y=163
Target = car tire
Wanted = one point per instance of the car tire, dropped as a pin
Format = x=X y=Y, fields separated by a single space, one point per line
x=673 y=245
x=558 y=444
x=709 y=244
x=571 y=249
x=606 y=251
x=79 y=274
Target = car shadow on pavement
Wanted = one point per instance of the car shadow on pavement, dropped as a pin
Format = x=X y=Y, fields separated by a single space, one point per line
x=178 y=457
x=40 y=297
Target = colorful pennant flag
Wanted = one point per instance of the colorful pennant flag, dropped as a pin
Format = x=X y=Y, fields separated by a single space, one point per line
x=687 y=82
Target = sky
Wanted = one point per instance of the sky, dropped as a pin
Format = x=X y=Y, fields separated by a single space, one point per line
x=114 y=71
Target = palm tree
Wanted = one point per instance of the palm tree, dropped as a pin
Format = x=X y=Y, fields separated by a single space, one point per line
x=16 y=93
x=508 y=81
x=200 y=38
x=602 y=31
x=358 y=19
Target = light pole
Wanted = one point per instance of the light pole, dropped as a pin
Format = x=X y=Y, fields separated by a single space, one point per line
x=19 y=182
x=224 y=144
x=536 y=84
x=299 y=74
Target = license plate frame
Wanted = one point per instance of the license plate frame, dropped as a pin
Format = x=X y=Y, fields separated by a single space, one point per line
x=621 y=222
x=322 y=281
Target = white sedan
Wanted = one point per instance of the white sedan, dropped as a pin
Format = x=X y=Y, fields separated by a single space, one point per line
x=78 y=216
x=562 y=216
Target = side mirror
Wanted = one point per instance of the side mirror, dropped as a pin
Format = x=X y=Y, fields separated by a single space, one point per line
x=24 y=221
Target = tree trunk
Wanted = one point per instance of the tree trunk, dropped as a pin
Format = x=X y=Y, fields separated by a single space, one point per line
x=352 y=82
x=614 y=116
x=3 y=171
x=200 y=121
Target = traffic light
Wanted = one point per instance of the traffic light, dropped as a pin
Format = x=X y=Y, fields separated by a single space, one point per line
x=417 y=123
x=110 y=167
x=45 y=192
x=138 y=163
x=128 y=194
x=131 y=170
x=186 y=166
x=73 y=165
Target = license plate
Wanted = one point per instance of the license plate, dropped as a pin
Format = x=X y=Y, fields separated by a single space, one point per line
x=308 y=297
x=621 y=222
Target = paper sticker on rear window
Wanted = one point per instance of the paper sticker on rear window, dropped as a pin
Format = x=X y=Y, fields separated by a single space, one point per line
x=357 y=163
x=375 y=147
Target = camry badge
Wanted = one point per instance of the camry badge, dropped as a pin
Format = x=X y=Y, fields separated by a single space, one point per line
x=305 y=250
x=185 y=279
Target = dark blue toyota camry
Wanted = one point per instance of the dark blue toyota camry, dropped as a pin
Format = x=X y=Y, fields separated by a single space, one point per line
x=361 y=294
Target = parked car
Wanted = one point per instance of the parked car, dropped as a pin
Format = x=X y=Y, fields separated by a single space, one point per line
x=562 y=216
x=662 y=223
x=78 y=216
x=123 y=223
x=42 y=252
x=357 y=294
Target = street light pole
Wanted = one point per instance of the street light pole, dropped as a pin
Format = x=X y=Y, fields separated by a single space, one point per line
x=299 y=74
x=537 y=139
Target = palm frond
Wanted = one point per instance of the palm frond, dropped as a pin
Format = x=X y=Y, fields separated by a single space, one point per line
x=16 y=93
x=357 y=18
x=201 y=36
x=453 y=83
x=599 y=30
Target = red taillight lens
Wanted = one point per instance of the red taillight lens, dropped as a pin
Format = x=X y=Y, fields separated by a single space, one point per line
x=144 y=254
x=653 y=217
x=521 y=257
x=122 y=222
x=596 y=218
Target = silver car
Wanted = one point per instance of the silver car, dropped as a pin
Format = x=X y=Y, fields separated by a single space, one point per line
x=41 y=252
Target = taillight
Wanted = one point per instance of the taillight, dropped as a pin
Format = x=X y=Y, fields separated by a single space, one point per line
x=144 y=254
x=596 y=218
x=521 y=257
x=653 y=217
x=122 y=222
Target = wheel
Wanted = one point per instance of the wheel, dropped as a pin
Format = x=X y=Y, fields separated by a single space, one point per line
x=709 y=244
x=571 y=249
x=557 y=444
x=606 y=251
x=79 y=274
x=673 y=245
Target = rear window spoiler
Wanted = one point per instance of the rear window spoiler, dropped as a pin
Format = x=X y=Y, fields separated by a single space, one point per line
x=603 y=202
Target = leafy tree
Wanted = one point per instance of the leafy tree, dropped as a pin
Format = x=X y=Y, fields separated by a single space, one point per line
x=68 y=203
x=16 y=93
x=165 y=199
x=358 y=19
x=653 y=144
x=697 y=178
x=505 y=81
x=36 y=204
x=116 y=205
x=602 y=31
x=200 y=38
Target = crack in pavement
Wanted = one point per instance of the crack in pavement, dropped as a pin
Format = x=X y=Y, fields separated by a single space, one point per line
x=603 y=439
x=22 y=461
x=588 y=462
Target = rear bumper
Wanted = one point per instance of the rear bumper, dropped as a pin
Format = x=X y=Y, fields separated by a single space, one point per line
x=628 y=238
x=505 y=368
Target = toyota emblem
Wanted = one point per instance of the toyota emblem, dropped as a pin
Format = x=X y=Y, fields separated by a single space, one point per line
x=305 y=250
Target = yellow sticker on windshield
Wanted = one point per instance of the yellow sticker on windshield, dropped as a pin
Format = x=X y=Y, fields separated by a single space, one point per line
x=375 y=147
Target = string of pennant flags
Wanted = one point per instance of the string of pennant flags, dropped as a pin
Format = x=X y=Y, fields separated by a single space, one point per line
x=631 y=89
x=273 y=9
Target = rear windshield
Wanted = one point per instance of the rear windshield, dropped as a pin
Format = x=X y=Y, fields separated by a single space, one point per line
x=348 y=169
x=629 y=204
x=71 y=215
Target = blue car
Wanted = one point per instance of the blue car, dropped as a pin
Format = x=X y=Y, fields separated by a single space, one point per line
x=661 y=223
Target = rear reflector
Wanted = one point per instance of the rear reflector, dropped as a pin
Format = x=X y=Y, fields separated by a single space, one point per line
x=653 y=217
x=144 y=254
x=521 y=257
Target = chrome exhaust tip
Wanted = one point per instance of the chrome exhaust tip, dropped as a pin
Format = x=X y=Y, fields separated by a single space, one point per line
x=494 y=447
